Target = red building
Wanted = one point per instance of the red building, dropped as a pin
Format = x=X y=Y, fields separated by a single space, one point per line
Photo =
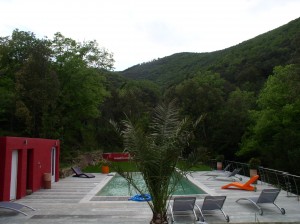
x=23 y=162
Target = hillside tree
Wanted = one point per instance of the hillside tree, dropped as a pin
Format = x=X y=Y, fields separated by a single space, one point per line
x=274 y=134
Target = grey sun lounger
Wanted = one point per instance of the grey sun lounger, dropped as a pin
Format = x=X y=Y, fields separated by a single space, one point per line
x=183 y=206
x=228 y=176
x=217 y=172
x=212 y=203
x=266 y=196
x=79 y=173
x=14 y=206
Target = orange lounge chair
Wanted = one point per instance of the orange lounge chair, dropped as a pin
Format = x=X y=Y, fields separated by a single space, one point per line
x=243 y=186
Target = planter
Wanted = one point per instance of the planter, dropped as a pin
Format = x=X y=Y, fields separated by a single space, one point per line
x=219 y=165
x=105 y=169
x=253 y=172
x=47 y=180
x=219 y=159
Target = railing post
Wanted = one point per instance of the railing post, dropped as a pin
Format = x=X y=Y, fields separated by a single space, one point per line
x=296 y=187
x=287 y=183
x=261 y=174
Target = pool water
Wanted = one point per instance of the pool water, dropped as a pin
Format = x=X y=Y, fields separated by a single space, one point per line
x=118 y=186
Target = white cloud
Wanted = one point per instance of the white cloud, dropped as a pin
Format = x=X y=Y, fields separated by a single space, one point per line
x=137 y=31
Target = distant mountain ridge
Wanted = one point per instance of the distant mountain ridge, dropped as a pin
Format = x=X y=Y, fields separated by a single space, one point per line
x=248 y=62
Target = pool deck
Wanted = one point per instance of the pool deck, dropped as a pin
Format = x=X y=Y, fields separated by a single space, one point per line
x=71 y=201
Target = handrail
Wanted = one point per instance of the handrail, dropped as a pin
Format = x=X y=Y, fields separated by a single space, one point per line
x=281 y=179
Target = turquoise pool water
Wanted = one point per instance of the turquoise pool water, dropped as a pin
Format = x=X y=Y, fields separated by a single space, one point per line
x=118 y=186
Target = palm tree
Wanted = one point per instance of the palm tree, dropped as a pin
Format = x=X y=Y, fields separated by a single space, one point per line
x=156 y=153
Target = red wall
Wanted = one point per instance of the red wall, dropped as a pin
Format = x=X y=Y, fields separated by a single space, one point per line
x=34 y=159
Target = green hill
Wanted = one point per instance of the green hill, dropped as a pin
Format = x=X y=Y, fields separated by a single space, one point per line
x=248 y=63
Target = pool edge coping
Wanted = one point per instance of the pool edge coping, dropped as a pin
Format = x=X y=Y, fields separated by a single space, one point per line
x=98 y=187
x=91 y=194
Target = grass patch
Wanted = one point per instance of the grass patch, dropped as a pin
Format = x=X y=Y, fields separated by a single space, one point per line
x=130 y=167
x=113 y=167
x=196 y=167
x=92 y=169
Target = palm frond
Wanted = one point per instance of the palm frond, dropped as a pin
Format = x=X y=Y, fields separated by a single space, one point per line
x=116 y=127
x=165 y=120
x=157 y=151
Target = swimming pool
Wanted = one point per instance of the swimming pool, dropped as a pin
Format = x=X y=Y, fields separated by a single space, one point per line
x=118 y=186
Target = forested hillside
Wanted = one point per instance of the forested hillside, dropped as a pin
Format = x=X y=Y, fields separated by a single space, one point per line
x=248 y=95
x=248 y=63
x=245 y=116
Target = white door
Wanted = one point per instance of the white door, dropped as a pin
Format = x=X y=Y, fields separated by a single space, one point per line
x=14 y=175
x=53 y=162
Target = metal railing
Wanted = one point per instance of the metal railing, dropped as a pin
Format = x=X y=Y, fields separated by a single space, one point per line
x=284 y=180
x=280 y=179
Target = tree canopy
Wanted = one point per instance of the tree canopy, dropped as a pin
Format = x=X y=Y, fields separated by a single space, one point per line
x=248 y=95
x=52 y=88
x=274 y=134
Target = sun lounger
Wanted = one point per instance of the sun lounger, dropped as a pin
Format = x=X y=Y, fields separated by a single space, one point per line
x=183 y=206
x=212 y=203
x=266 y=196
x=79 y=173
x=242 y=186
x=228 y=176
x=217 y=172
x=14 y=206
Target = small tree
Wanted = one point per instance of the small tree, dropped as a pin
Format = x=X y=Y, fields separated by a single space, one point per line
x=156 y=152
x=254 y=163
x=220 y=158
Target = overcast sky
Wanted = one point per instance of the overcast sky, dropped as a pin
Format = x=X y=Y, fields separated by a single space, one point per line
x=137 y=31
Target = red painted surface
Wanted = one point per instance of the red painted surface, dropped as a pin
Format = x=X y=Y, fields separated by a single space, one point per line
x=34 y=159
x=114 y=156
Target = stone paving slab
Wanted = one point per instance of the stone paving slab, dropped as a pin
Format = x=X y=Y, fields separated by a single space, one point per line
x=71 y=200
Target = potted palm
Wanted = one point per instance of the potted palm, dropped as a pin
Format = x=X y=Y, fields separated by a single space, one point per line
x=219 y=159
x=254 y=163
x=104 y=165
x=156 y=151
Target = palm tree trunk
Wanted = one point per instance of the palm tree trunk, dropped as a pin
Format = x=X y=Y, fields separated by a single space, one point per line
x=159 y=218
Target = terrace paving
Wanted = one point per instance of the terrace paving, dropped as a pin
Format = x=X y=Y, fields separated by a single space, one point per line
x=70 y=201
